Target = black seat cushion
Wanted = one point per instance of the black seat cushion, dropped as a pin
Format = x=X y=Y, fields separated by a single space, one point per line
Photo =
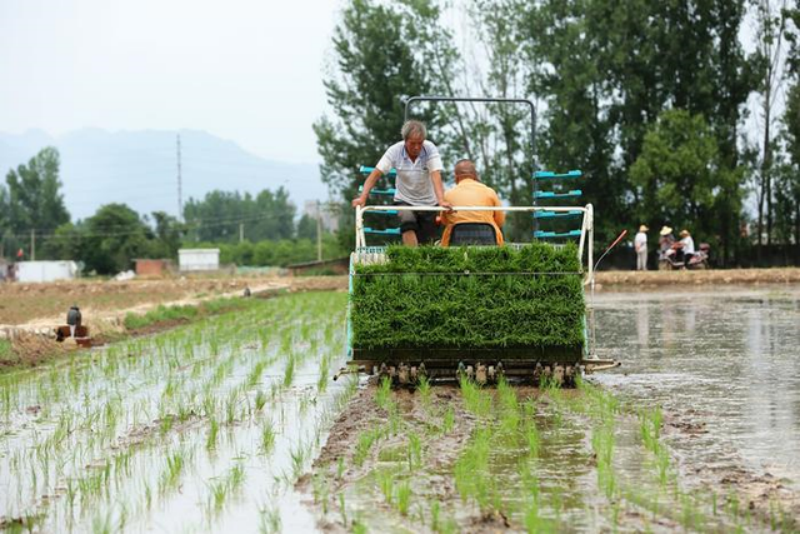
x=473 y=234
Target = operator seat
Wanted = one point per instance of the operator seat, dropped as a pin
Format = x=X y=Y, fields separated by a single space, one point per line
x=464 y=234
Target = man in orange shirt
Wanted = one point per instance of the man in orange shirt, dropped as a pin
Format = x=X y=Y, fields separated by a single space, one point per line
x=469 y=191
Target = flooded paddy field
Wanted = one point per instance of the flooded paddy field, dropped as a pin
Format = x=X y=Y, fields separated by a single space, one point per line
x=204 y=428
x=234 y=424
x=699 y=430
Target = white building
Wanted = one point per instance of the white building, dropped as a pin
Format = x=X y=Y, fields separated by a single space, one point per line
x=198 y=259
x=45 y=271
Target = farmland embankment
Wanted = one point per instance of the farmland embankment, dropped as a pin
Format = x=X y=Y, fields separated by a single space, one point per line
x=715 y=277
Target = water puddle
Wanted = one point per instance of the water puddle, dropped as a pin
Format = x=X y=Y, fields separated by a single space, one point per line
x=723 y=365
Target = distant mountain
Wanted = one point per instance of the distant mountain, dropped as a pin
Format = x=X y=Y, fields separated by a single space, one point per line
x=139 y=168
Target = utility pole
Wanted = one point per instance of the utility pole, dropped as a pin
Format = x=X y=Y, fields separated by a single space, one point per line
x=33 y=245
x=241 y=232
x=180 y=185
x=319 y=231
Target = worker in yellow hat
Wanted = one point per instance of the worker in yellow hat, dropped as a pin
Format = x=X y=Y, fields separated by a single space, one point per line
x=640 y=245
x=665 y=242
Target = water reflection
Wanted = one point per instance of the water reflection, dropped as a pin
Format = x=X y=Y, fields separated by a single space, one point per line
x=726 y=361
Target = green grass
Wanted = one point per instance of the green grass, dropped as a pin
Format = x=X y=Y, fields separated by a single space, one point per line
x=450 y=298
x=6 y=351
x=184 y=314
x=162 y=314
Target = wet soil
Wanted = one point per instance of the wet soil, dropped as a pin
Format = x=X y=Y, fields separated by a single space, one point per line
x=720 y=364
x=762 y=501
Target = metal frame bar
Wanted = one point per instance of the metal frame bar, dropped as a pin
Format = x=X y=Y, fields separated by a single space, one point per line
x=587 y=225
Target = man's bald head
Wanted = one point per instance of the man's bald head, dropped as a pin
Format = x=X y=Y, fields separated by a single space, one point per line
x=465 y=169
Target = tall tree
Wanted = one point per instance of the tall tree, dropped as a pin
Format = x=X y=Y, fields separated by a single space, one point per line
x=787 y=190
x=5 y=229
x=35 y=201
x=225 y=216
x=680 y=177
x=380 y=58
x=113 y=237
x=770 y=19
x=608 y=68
x=169 y=232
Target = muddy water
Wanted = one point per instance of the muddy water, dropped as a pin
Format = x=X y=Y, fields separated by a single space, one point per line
x=725 y=367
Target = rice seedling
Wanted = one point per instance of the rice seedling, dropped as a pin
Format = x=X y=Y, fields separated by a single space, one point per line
x=471 y=470
x=340 y=468
x=603 y=446
x=476 y=400
x=435 y=515
x=386 y=484
x=213 y=431
x=342 y=509
x=424 y=388
x=267 y=437
x=299 y=456
x=230 y=406
x=366 y=440
x=415 y=298
x=532 y=438
x=383 y=393
x=321 y=491
x=414 y=452
x=324 y=375
x=449 y=420
x=103 y=523
x=173 y=471
x=219 y=494
x=255 y=374
x=404 y=498
x=270 y=520
x=261 y=400
x=288 y=373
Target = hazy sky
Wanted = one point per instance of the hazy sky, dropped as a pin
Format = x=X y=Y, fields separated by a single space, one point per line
x=247 y=70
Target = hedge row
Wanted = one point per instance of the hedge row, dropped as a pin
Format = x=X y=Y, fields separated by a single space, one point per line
x=446 y=298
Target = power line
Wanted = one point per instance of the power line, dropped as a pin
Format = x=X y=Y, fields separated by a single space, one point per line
x=195 y=224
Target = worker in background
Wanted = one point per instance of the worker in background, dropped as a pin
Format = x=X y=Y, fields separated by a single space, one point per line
x=469 y=191
x=73 y=319
x=640 y=245
x=418 y=183
x=688 y=246
x=665 y=242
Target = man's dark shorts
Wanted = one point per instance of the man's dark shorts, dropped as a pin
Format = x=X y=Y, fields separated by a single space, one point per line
x=423 y=223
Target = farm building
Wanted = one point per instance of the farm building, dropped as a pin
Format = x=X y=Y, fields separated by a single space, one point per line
x=198 y=259
x=154 y=268
x=45 y=271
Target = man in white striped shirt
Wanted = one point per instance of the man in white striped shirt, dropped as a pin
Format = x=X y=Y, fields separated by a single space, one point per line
x=418 y=183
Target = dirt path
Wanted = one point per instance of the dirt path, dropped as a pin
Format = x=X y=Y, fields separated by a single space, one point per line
x=788 y=275
x=37 y=308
